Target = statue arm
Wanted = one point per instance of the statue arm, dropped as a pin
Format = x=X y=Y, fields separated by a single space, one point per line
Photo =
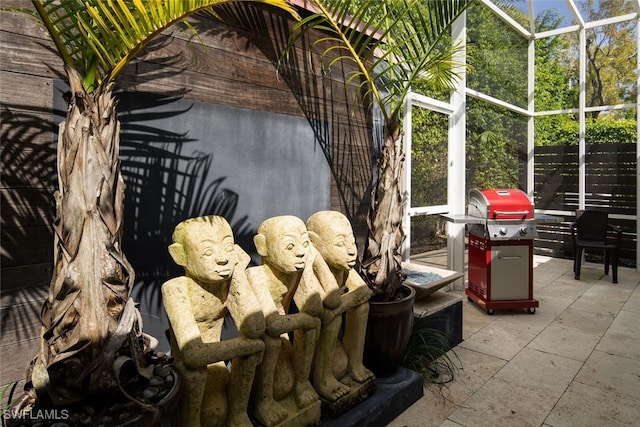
x=196 y=353
x=242 y=302
x=310 y=296
x=358 y=291
x=276 y=320
x=328 y=286
x=259 y=285
x=307 y=297
x=176 y=303
x=278 y=324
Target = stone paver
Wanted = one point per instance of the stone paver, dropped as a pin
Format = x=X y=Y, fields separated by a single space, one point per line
x=576 y=361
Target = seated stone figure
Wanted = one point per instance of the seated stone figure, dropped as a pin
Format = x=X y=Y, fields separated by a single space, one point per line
x=214 y=286
x=283 y=392
x=332 y=236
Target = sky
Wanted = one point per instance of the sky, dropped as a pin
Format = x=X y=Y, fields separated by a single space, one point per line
x=559 y=5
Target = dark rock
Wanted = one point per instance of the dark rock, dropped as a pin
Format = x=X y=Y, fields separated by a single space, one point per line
x=156 y=380
x=162 y=371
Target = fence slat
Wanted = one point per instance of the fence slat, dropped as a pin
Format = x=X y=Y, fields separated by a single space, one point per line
x=611 y=183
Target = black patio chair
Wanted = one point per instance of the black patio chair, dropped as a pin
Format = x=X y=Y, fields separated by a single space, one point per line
x=592 y=230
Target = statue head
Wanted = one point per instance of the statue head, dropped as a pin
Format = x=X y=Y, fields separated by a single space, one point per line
x=332 y=235
x=283 y=243
x=204 y=246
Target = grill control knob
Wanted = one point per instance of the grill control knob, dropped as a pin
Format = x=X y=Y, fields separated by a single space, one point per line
x=523 y=231
x=502 y=231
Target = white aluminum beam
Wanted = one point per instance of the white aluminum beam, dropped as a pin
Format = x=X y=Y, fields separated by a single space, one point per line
x=557 y=31
x=496 y=101
x=612 y=20
x=586 y=109
x=428 y=210
x=532 y=17
x=506 y=18
x=554 y=112
x=430 y=103
x=576 y=13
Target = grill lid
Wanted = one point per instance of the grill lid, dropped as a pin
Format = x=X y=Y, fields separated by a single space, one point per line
x=507 y=214
x=501 y=214
x=500 y=204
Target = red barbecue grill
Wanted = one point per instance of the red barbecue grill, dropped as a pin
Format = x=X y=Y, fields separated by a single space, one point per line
x=502 y=230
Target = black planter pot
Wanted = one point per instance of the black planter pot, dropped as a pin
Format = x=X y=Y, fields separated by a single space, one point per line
x=388 y=331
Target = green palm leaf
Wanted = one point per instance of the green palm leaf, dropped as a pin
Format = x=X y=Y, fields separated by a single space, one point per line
x=394 y=44
x=389 y=47
x=99 y=37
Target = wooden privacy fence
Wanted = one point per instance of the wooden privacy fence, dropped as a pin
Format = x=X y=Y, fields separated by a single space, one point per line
x=610 y=185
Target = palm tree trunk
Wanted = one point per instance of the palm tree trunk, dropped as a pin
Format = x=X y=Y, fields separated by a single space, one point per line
x=383 y=262
x=92 y=279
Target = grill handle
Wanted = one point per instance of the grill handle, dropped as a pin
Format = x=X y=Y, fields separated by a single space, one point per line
x=523 y=213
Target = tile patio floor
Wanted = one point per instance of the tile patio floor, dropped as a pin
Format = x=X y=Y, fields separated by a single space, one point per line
x=575 y=362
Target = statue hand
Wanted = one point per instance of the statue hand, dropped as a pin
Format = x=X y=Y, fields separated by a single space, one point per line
x=243 y=258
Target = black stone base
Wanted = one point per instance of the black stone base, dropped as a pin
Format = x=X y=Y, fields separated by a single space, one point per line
x=442 y=311
x=357 y=394
x=393 y=395
x=448 y=321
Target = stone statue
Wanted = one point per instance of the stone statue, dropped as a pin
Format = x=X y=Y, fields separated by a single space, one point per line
x=332 y=236
x=213 y=288
x=283 y=391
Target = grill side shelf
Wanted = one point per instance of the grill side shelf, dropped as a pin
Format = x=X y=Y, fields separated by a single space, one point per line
x=463 y=219
x=469 y=219
x=547 y=219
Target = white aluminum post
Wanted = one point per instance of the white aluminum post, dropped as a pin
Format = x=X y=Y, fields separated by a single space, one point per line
x=531 y=76
x=456 y=167
x=406 y=178
x=582 y=168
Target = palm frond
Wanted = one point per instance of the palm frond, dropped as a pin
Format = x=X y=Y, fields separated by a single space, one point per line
x=99 y=37
x=394 y=44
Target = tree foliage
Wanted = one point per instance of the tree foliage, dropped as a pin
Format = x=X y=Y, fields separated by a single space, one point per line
x=496 y=137
x=611 y=55
x=494 y=134
x=598 y=131
x=499 y=56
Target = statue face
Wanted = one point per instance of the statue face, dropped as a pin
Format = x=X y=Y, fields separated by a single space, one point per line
x=336 y=243
x=287 y=245
x=210 y=252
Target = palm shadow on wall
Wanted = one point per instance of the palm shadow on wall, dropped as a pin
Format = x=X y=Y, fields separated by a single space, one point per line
x=342 y=128
x=28 y=179
x=163 y=187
